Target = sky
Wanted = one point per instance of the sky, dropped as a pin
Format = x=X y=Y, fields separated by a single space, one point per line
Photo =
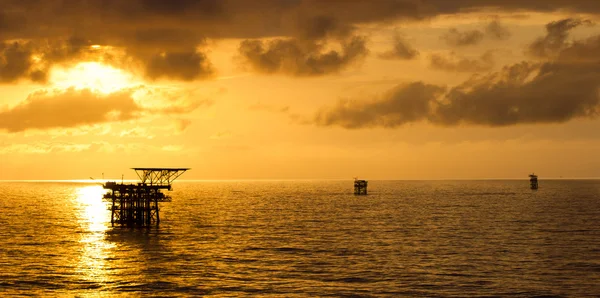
x=300 y=89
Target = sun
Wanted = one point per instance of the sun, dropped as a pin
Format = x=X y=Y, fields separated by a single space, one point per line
x=92 y=75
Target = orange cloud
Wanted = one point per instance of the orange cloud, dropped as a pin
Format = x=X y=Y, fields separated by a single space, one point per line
x=454 y=63
x=79 y=107
x=69 y=108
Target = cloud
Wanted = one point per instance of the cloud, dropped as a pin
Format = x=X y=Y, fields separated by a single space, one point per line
x=401 y=50
x=15 y=63
x=48 y=109
x=301 y=57
x=456 y=6
x=401 y=105
x=310 y=52
x=453 y=63
x=136 y=132
x=494 y=30
x=43 y=148
x=32 y=59
x=458 y=39
x=523 y=93
x=560 y=90
x=69 y=108
x=167 y=39
x=497 y=31
x=184 y=66
x=169 y=100
x=182 y=124
x=556 y=37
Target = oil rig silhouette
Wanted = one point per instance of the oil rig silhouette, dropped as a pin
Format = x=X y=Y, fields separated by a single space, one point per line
x=136 y=204
x=533 y=181
x=360 y=186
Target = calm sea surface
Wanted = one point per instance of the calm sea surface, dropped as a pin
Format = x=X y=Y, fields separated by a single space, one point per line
x=306 y=239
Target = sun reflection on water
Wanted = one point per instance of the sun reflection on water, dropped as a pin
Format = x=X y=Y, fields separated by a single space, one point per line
x=95 y=212
x=94 y=219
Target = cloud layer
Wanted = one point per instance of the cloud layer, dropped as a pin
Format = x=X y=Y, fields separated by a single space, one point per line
x=556 y=37
x=48 y=109
x=168 y=38
x=45 y=110
x=458 y=39
x=301 y=58
x=493 y=30
x=558 y=90
x=454 y=63
x=401 y=50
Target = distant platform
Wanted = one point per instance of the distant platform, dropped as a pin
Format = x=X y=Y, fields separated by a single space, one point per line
x=360 y=187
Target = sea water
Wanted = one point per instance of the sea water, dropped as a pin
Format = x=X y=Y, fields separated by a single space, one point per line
x=486 y=238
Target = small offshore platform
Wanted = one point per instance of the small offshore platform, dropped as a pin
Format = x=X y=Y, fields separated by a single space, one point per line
x=360 y=187
x=136 y=204
x=533 y=181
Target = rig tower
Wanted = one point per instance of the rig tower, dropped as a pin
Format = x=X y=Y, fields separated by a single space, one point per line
x=360 y=187
x=533 y=180
x=136 y=204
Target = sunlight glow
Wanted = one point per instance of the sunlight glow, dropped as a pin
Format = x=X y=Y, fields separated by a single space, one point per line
x=92 y=75
x=94 y=218
x=95 y=213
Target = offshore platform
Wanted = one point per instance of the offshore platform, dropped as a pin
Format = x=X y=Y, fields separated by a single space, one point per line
x=136 y=204
x=533 y=181
x=360 y=186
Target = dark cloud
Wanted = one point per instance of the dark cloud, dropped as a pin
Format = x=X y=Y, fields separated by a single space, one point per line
x=401 y=105
x=565 y=88
x=167 y=39
x=308 y=53
x=494 y=30
x=32 y=59
x=148 y=29
x=497 y=31
x=45 y=110
x=458 y=39
x=61 y=50
x=523 y=93
x=454 y=63
x=583 y=53
x=556 y=37
x=185 y=66
x=111 y=21
x=321 y=27
x=401 y=50
x=301 y=57
x=15 y=62
x=455 y=6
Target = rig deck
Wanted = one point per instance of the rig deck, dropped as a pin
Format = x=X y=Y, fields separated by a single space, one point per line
x=137 y=204
x=360 y=187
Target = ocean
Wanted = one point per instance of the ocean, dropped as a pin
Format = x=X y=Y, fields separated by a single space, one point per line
x=483 y=238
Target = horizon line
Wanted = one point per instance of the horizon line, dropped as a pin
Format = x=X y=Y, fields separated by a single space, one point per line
x=293 y=179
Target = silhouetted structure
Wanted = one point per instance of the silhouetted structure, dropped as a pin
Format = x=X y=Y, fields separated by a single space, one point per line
x=137 y=204
x=533 y=180
x=360 y=187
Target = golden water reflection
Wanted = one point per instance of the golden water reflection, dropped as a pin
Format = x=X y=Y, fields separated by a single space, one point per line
x=94 y=221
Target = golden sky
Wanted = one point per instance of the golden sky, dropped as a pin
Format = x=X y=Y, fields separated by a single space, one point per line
x=300 y=89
